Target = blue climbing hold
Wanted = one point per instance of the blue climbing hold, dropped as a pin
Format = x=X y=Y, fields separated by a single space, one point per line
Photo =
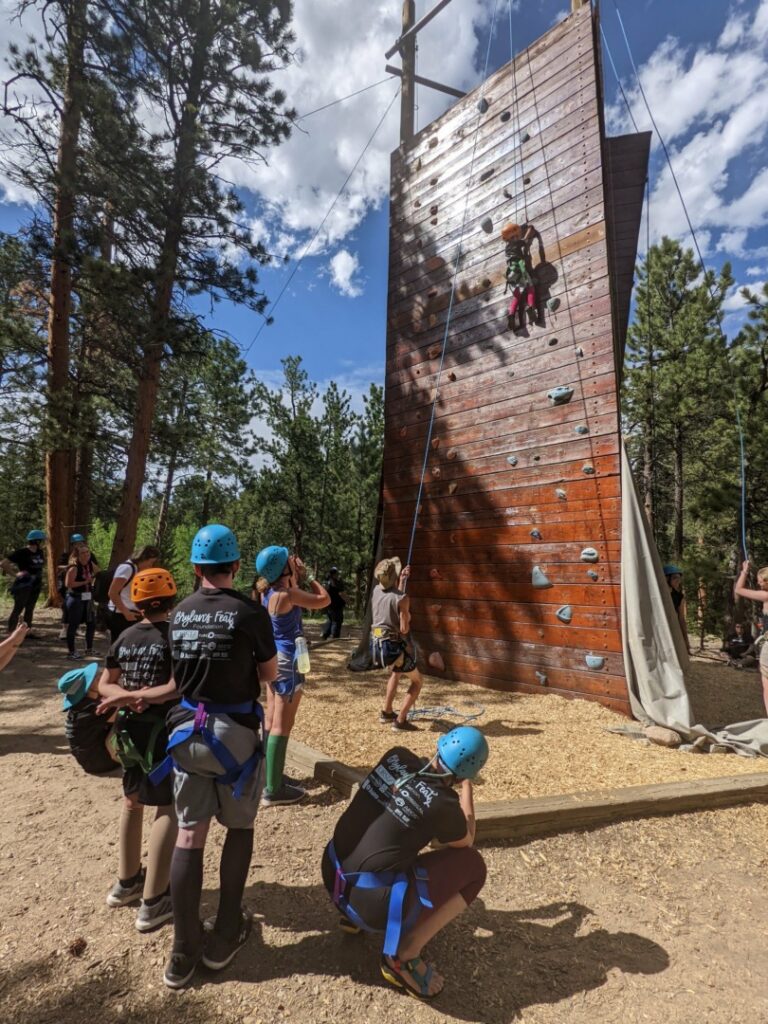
x=594 y=661
x=536 y=534
x=482 y=104
x=590 y=555
x=542 y=678
x=581 y=429
x=487 y=225
x=512 y=460
x=561 y=494
x=565 y=614
x=561 y=395
x=539 y=579
x=588 y=468
x=592 y=574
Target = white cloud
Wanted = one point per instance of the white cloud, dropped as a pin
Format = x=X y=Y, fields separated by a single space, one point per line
x=756 y=271
x=734 y=30
x=344 y=267
x=732 y=242
x=735 y=301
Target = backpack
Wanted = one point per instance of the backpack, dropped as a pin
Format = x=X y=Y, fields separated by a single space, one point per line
x=102 y=581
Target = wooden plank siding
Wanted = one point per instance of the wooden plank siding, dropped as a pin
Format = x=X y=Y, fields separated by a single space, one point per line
x=473 y=598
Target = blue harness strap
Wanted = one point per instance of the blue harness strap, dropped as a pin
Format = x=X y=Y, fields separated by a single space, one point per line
x=235 y=774
x=396 y=881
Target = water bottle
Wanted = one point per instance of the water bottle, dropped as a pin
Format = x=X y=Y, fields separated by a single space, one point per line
x=302 y=656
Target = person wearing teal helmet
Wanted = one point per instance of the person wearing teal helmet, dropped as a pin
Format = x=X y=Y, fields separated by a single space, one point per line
x=674 y=577
x=282 y=594
x=374 y=869
x=27 y=563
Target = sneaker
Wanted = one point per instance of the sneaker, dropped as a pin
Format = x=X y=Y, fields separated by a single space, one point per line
x=387 y=716
x=90 y=653
x=74 y=656
x=405 y=726
x=220 y=952
x=287 y=794
x=121 y=895
x=179 y=969
x=151 y=916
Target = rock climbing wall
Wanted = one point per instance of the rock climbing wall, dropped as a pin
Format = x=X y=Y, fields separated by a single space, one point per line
x=516 y=564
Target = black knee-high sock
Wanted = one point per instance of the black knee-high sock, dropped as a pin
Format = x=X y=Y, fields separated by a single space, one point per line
x=186 y=889
x=233 y=872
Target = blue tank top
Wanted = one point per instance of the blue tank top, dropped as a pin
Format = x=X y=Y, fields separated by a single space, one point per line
x=285 y=627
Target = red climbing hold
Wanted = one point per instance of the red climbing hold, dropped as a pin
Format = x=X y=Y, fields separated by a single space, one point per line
x=435 y=660
x=451 y=375
x=451 y=454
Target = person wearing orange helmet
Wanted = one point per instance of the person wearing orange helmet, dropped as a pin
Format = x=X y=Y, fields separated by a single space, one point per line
x=138 y=681
x=518 y=238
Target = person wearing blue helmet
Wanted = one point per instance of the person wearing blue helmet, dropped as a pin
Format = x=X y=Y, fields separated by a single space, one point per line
x=374 y=869
x=674 y=578
x=222 y=651
x=28 y=563
x=281 y=576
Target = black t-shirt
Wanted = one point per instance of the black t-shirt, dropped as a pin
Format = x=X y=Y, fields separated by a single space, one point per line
x=335 y=588
x=677 y=598
x=218 y=638
x=28 y=560
x=737 y=645
x=143 y=655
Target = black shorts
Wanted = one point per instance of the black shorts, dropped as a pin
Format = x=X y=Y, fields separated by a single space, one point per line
x=87 y=736
x=392 y=654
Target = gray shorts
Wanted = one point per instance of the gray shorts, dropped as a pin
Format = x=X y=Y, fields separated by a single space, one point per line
x=764 y=657
x=288 y=680
x=196 y=793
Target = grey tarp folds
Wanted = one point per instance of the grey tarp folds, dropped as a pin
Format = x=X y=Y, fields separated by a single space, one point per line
x=654 y=653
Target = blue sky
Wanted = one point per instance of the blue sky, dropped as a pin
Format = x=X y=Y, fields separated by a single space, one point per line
x=704 y=67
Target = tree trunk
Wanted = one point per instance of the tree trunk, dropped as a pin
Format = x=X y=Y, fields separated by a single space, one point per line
x=648 y=478
x=59 y=468
x=679 y=492
x=207 y=496
x=162 y=518
x=165 y=276
x=84 y=476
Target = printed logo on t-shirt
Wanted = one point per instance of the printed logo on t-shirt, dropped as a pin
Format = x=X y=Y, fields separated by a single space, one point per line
x=203 y=635
x=408 y=804
x=142 y=664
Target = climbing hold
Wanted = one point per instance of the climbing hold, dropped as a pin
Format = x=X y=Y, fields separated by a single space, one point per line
x=542 y=678
x=433 y=220
x=561 y=494
x=433 y=181
x=418 y=163
x=435 y=660
x=589 y=555
x=581 y=429
x=437 y=472
x=433 y=210
x=539 y=579
x=526 y=181
x=435 y=574
x=561 y=395
x=435 y=608
x=592 y=574
x=403 y=431
x=537 y=458
x=536 y=534
x=487 y=225
x=588 y=468
x=433 y=142
x=432 y=293
x=487 y=174
x=451 y=375
x=553 y=305
x=565 y=614
x=525 y=137
x=451 y=454
x=505 y=116
x=482 y=104
x=452 y=488
x=594 y=661
x=417 y=203
x=434 y=351
x=580 y=352
x=552 y=342
x=486 y=282
x=435 y=442
x=512 y=460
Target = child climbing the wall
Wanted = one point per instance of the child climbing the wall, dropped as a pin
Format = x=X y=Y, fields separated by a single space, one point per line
x=520 y=281
x=138 y=681
x=390 y=625
x=741 y=590
x=282 y=595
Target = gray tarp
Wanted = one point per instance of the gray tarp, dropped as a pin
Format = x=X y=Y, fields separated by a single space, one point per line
x=654 y=653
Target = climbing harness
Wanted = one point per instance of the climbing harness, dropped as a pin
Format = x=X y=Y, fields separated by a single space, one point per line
x=446 y=711
x=234 y=774
x=397 y=881
x=127 y=752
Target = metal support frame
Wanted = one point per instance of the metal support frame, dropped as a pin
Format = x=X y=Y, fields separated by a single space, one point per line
x=448 y=89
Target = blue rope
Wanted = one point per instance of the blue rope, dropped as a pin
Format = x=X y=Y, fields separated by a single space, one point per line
x=742 y=458
x=450 y=306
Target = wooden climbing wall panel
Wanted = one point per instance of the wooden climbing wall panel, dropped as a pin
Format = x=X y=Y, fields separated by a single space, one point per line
x=514 y=481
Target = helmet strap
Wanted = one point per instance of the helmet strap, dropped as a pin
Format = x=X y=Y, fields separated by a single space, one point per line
x=423 y=773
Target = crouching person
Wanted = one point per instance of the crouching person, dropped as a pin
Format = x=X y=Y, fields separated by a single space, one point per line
x=374 y=870
x=222 y=649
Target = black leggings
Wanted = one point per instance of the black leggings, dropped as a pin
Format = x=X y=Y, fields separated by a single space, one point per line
x=79 y=611
x=24 y=601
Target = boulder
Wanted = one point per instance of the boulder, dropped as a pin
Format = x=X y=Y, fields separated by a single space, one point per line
x=663 y=737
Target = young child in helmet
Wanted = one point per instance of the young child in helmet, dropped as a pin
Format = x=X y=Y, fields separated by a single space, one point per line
x=390 y=624
x=741 y=590
x=284 y=598
x=404 y=804
x=138 y=681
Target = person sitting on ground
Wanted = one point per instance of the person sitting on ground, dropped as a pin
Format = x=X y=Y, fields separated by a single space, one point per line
x=675 y=582
x=390 y=625
x=11 y=644
x=741 y=590
x=335 y=610
x=373 y=868
x=122 y=611
x=283 y=597
x=223 y=650
x=25 y=590
x=138 y=682
x=78 y=584
x=739 y=647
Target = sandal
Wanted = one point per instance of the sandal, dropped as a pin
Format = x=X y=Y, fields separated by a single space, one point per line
x=392 y=967
x=348 y=926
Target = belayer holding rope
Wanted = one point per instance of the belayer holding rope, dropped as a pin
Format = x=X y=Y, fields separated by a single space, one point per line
x=390 y=625
x=373 y=868
x=741 y=590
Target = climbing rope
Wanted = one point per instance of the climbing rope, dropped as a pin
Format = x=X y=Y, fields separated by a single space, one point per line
x=343 y=99
x=320 y=226
x=665 y=149
x=518 y=143
x=446 y=711
x=459 y=254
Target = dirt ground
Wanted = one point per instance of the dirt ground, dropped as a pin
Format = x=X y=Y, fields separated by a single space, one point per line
x=652 y=921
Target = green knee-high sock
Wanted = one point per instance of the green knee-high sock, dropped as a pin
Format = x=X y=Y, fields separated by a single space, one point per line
x=277 y=747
